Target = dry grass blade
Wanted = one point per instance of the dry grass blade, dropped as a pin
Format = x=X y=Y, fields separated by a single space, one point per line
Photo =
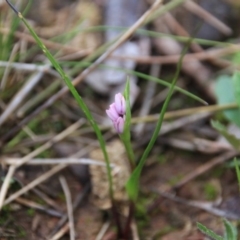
x=206 y=167
x=69 y=206
x=76 y=203
x=29 y=67
x=135 y=230
x=8 y=67
x=211 y=54
x=6 y=184
x=185 y=112
x=27 y=158
x=20 y=96
x=202 y=13
x=206 y=206
x=43 y=177
x=146 y=106
x=47 y=43
x=55 y=139
x=103 y=230
x=35 y=182
x=37 y=206
x=53 y=161
x=59 y=234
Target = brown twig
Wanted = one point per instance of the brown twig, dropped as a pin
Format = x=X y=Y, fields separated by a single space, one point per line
x=207 y=17
x=148 y=99
x=76 y=203
x=39 y=207
x=59 y=234
x=173 y=59
x=205 y=167
x=27 y=158
x=53 y=45
x=68 y=197
x=103 y=231
x=206 y=206
x=197 y=172
x=35 y=182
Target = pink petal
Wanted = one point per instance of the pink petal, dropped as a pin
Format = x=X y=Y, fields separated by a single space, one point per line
x=119 y=125
x=120 y=104
x=112 y=112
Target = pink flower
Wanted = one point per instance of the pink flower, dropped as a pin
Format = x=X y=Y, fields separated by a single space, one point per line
x=112 y=112
x=120 y=104
x=119 y=125
x=117 y=111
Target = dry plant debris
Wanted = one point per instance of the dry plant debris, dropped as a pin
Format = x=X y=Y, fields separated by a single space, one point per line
x=187 y=178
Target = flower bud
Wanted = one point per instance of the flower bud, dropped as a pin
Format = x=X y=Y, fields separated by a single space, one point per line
x=112 y=112
x=119 y=125
x=120 y=104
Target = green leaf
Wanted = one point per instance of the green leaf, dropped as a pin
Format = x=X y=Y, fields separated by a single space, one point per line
x=236 y=86
x=230 y=231
x=209 y=232
x=132 y=185
x=126 y=135
x=235 y=142
x=237 y=171
x=224 y=90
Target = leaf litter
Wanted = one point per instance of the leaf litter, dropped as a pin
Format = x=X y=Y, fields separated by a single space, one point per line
x=186 y=178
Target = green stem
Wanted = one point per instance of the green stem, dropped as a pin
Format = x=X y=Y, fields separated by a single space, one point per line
x=130 y=154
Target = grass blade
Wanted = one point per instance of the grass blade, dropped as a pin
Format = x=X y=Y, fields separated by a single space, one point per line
x=209 y=232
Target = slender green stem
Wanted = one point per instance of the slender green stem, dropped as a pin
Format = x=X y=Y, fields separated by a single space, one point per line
x=130 y=154
x=126 y=135
x=237 y=171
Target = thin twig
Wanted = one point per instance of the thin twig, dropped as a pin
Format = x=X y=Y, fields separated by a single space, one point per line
x=185 y=112
x=205 y=167
x=197 y=172
x=103 y=230
x=27 y=158
x=148 y=96
x=76 y=203
x=6 y=184
x=39 y=207
x=40 y=97
x=69 y=206
x=54 y=161
x=35 y=182
x=72 y=128
x=47 y=199
x=20 y=96
x=210 y=54
x=45 y=176
x=8 y=67
x=134 y=228
x=207 y=17
x=179 y=30
x=48 y=43
x=206 y=206
x=31 y=67
x=196 y=144
x=62 y=231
